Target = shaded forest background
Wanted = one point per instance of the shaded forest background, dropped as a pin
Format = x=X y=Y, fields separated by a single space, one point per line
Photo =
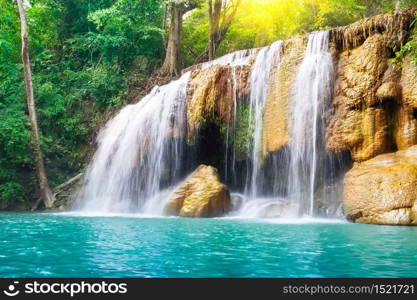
x=90 y=57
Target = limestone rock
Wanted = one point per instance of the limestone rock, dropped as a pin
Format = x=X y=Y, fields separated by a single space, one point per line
x=374 y=105
x=405 y=132
x=394 y=25
x=388 y=90
x=211 y=94
x=200 y=195
x=409 y=83
x=360 y=120
x=278 y=101
x=383 y=190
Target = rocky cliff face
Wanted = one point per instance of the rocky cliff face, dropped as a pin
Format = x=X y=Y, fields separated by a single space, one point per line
x=365 y=98
x=373 y=111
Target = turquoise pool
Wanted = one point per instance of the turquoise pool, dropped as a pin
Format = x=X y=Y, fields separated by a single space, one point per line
x=54 y=245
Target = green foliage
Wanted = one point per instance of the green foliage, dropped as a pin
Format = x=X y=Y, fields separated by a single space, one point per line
x=244 y=131
x=81 y=53
x=14 y=137
x=222 y=126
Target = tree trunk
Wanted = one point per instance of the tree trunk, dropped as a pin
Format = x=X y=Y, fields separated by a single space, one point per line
x=172 y=62
x=214 y=20
x=45 y=191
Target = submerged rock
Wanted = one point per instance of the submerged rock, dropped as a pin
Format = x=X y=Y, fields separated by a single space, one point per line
x=383 y=190
x=200 y=195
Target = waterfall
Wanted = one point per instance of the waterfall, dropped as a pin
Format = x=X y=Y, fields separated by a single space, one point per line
x=312 y=93
x=139 y=153
x=230 y=175
x=266 y=59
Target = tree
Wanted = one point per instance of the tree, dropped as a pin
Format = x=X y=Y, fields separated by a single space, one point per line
x=172 y=61
x=221 y=15
x=46 y=194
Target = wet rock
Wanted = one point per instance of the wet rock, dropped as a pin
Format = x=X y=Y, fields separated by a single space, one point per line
x=211 y=94
x=278 y=101
x=409 y=83
x=405 y=133
x=374 y=103
x=329 y=200
x=200 y=195
x=359 y=123
x=236 y=201
x=275 y=210
x=383 y=190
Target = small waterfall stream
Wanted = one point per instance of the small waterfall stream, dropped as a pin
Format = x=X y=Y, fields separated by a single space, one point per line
x=139 y=153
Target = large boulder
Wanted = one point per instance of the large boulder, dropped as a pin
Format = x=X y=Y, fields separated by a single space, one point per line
x=200 y=195
x=383 y=190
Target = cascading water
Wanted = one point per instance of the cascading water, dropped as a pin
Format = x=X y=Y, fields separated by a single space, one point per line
x=312 y=93
x=139 y=153
x=230 y=175
x=234 y=59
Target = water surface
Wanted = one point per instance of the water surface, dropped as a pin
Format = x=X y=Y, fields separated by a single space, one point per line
x=48 y=245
